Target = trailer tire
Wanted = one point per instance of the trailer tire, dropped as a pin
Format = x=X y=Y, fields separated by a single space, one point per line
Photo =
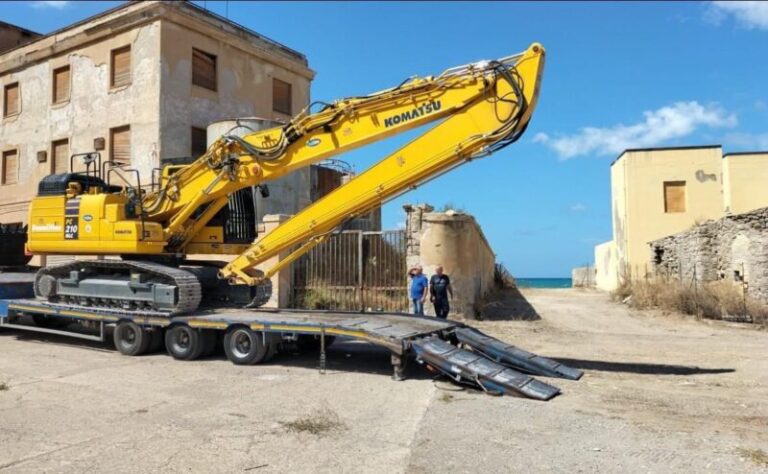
x=244 y=346
x=183 y=342
x=131 y=339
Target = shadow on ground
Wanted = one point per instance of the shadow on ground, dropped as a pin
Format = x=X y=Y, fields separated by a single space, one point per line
x=638 y=368
x=507 y=305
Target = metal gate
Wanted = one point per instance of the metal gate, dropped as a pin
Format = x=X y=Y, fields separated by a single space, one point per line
x=353 y=270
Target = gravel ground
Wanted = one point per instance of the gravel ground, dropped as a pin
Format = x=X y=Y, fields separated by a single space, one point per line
x=660 y=394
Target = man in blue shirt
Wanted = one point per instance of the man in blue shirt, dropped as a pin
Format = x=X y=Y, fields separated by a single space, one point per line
x=419 y=287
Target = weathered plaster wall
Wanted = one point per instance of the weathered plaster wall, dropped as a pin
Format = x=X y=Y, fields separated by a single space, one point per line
x=93 y=108
x=606 y=275
x=730 y=248
x=637 y=205
x=583 y=277
x=745 y=182
x=244 y=86
x=457 y=242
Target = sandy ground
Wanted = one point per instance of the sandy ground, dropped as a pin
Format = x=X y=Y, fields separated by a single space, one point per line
x=660 y=394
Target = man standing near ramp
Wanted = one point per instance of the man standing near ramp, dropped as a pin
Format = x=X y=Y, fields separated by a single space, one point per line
x=439 y=290
x=418 y=290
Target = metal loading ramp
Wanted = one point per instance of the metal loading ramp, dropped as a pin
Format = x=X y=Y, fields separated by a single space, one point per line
x=515 y=357
x=466 y=366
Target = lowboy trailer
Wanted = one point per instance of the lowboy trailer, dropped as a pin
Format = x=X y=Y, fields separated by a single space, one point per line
x=251 y=336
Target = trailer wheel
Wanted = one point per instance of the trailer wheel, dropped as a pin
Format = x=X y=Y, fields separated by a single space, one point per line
x=183 y=342
x=244 y=346
x=131 y=339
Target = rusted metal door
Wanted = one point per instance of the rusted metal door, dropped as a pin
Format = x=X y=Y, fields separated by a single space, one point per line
x=353 y=270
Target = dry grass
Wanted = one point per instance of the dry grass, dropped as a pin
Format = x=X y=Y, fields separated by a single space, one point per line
x=317 y=423
x=446 y=398
x=712 y=300
x=757 y=456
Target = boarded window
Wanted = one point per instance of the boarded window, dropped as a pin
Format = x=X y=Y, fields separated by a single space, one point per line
x=61 y=85
x=60 y=156
x=120 y=145
x=281 y=97
x=10 y=167
x=203 y=69
x=199 y=142
x=121 y=67
x=674 y=196
x=11 y=100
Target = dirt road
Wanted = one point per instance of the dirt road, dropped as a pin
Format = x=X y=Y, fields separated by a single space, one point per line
x=660 y=394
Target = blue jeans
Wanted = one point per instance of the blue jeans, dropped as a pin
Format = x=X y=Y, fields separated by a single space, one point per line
x=418 y=306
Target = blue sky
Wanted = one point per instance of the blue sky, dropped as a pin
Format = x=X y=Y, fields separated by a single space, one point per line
x=618 y=75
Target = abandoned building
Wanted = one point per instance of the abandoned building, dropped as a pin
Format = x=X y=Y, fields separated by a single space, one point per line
x=657 y=192
x=139 y=83
x=733 y=248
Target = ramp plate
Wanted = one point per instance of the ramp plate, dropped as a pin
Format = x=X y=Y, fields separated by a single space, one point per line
x=515 y=357
x=461 y=364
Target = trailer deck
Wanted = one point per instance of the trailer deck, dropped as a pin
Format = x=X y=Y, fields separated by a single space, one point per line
x=448 y=347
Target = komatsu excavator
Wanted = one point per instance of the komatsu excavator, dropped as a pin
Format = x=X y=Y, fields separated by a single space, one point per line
x=481 y=108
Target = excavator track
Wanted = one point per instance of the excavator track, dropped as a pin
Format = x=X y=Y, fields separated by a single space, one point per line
x=62 y=284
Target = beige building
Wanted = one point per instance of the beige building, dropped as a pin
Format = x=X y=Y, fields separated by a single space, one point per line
x=140 y=83
x=662 y=191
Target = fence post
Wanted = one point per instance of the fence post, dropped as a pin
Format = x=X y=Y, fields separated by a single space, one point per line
x=360 y=270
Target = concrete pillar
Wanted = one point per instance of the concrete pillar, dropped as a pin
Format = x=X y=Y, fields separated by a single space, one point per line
x=281 y=282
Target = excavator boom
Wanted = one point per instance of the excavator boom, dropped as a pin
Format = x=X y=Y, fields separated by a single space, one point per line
x=479 y=108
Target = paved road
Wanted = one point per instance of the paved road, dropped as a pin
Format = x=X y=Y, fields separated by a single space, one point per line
x=661 y=394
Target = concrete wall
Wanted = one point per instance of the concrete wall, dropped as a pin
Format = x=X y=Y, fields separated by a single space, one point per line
x=12 y=36
x=244 y=80
x=732 y=248
x=745 y=181
x=457 y=242
x=93 y=108
x=606 y=268
x=583 y=277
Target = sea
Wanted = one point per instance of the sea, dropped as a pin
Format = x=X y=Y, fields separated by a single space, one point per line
x=543 y=282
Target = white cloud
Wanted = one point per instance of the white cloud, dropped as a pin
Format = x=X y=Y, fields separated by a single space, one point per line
x=578 y=207
x=748 y=14
x=673 y=121
x=57 y=4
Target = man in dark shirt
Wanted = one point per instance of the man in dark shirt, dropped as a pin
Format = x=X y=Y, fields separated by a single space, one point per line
x=439 y=290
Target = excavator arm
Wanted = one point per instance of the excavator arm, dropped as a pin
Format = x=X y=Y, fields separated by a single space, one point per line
x=479 y=108
x=188 y=199
x=495 y=116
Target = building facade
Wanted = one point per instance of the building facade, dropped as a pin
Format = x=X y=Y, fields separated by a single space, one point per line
x=663 y=191
x=139 y=83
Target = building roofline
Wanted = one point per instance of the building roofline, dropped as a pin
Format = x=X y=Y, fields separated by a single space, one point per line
x=180 y=5
x=20 y=28
x=664 y=148
x=737 y=153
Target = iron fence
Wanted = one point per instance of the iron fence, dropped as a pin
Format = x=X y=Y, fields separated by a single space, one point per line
x=353 y=270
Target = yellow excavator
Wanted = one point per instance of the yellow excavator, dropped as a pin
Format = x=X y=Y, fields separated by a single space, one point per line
x=481 y=108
